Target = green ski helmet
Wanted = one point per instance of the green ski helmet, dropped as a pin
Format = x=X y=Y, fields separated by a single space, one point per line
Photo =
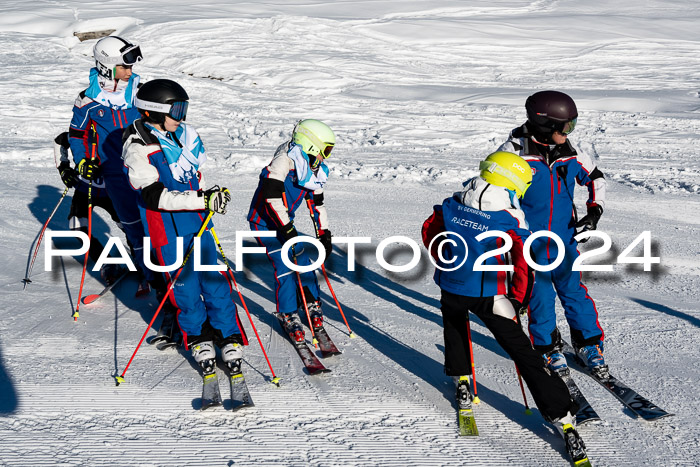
x=507 y=170
x=315 y=138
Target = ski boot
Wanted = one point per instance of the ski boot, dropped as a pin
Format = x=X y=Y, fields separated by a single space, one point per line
x=205 y=356
x=316 y=315
x=592 y=357
x=463 y=394
x=292 y=326
x=556 y=362
x=232 y=353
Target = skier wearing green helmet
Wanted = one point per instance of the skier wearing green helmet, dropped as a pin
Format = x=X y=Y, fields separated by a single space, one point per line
x=296 y=175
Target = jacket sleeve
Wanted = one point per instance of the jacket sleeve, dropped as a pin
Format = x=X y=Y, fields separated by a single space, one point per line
x=523 y=275
x=317 y=210
x=591 y=176
x=79 y=134
x=432 y=227
x=272 y=190
x=144 y=177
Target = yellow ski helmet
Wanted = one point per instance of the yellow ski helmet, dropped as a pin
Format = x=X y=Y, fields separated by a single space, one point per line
x=507 y=170
x=314 y=137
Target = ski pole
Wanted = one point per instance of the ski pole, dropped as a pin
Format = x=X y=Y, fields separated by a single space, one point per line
x=120 y=378
x=301 y=287
x=522 y=389
x=76 y=314
x=275 y=379
x=323 y=268
x=337 y=303
x=27 y=280
x=471 y=357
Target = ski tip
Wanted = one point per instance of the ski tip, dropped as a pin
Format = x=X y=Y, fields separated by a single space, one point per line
x=88 y=299
x=276 y=381
x=119 y=380
x=528 y=411
x=476 y=400
x=352 y=335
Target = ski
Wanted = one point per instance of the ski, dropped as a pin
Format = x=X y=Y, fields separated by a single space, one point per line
x=465 y=414
x=211 y=395
x=585 y=413
x=165 y=330
x=86 y=300
x=641 y=406
x=174 y=342
x=240 y=396
x=311 y=362
x=325 y=344
x=575 y=446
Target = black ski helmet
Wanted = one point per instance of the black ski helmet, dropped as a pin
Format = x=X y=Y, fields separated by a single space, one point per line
x=160 y=97
x=550 y=111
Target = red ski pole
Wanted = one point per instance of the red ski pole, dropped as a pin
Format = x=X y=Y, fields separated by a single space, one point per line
x=120 y=378
x=76 y=314
x=522 y=389
x=323 y=268
x=275 y=379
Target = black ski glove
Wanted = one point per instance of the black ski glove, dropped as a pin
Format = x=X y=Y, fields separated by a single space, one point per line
x=69 y=176
x=287 y=232
x=589 y=221
x=215 y=199
x=88 y=169
x=324 y=236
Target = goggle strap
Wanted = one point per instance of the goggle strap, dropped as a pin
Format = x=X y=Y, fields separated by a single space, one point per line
x=497 y=169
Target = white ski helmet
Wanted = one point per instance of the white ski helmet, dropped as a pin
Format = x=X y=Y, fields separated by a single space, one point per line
x=314 y=137
x=111 y=51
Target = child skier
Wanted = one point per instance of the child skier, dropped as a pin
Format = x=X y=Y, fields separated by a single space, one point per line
x=488 y=203
x=162 y=156
x=100 y=114
x=557 y=164
x=296 y=174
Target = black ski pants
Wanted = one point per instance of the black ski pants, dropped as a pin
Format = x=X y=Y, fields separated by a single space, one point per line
x=549 y=391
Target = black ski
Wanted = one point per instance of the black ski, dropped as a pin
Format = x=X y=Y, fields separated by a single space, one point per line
x=166 y=329
x=86 y=300
x=211 y=395
x=638 y=404
x=240 y=396
x=311 y=362
x=173 y=342
x=585 y=413
x=325 y=344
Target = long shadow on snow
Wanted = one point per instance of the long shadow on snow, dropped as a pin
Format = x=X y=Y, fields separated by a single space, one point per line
x=8 y=395
x=669 y=311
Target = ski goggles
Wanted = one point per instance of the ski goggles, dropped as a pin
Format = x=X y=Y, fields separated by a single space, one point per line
x=176 y=110
x=131 y=54
x=565 y=127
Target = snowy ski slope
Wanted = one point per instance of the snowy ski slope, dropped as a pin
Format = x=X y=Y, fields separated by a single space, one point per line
x=418 y=92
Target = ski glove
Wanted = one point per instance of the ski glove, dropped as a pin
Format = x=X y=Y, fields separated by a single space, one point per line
x=287 y=232
x=68 y=174
x=589 y=221
x=324 y=237
x=215 y=199
x=88 y=169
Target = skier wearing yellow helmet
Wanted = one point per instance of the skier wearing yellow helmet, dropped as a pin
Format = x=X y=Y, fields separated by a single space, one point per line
x=490 y=202
x=296 y=176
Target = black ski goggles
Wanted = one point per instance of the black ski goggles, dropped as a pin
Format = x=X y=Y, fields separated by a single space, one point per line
x=131 y=54
x=547 y=123
x=565 y=127
x=178 y=110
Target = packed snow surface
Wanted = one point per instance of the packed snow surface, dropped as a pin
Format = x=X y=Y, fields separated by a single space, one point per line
x=418 y=93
